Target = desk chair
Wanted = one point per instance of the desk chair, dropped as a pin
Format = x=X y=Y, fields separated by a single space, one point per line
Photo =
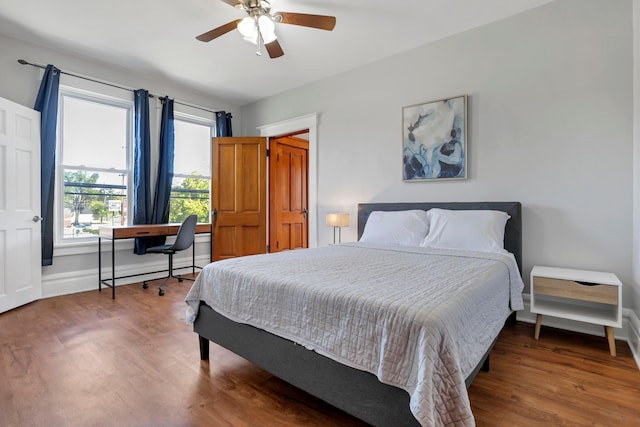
x=184 y=240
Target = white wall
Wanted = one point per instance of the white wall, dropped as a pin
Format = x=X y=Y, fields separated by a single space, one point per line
x=550 y=125
x=636 y=154
x=75 y=267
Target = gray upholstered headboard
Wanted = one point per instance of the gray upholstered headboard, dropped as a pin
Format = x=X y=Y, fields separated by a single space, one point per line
x=513 y=229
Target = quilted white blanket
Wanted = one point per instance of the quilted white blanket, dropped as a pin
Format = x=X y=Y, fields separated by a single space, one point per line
x=417 y=318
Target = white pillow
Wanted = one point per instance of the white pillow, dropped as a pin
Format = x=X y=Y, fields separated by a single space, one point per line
x=473 y=230
x=406 y=228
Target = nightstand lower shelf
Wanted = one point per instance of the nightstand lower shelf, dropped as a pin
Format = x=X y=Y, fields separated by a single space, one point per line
x=608 y=331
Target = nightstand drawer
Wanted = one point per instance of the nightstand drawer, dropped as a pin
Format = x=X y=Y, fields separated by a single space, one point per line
x=606 y=294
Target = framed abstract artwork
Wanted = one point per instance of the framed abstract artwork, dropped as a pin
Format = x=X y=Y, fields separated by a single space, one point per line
x=434 y=140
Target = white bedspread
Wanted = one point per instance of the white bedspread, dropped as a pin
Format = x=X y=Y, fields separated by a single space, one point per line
x=417 y=318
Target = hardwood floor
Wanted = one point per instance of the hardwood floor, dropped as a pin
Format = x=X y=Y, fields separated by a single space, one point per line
x=88 y=360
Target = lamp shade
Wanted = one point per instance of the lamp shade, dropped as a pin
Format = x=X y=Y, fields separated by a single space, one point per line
x=267 y=29
x=337 y=219
x=247 y=26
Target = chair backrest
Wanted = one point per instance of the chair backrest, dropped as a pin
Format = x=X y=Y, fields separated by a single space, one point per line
x=186 y=233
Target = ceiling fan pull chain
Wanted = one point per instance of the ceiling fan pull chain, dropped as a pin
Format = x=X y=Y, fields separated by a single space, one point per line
x=260 y=41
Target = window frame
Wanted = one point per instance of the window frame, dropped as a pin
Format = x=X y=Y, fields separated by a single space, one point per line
x=102 y=99
x=183 y=117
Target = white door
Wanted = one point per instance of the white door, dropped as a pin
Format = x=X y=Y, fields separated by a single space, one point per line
x=20 y=251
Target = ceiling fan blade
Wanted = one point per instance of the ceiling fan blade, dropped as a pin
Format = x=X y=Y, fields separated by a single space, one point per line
x=321 y=22
x=274 y=49
x=217 y=32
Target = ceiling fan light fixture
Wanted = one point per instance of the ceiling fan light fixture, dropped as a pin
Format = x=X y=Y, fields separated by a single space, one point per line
x=267 y=29
x=259 y=26
x=247 y=27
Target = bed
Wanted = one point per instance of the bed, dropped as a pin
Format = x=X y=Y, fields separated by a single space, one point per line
x=387 y=376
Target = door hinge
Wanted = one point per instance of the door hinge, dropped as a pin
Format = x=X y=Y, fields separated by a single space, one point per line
x=268 y=249
x=268 y=152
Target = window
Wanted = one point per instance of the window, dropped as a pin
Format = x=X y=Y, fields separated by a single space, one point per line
x=191 y=169
x=94 y=172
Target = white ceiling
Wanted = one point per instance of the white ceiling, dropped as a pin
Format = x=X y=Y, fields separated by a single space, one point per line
x=156 y=38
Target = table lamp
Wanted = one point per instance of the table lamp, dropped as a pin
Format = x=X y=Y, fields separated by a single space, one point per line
x=337 y=220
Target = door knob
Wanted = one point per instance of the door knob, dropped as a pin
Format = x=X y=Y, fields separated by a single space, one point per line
x=37 y=218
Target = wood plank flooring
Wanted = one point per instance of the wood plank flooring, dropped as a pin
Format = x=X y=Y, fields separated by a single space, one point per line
x=88 y=360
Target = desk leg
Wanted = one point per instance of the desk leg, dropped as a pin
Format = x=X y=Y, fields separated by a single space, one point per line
x=99 y=264
x=113 y=268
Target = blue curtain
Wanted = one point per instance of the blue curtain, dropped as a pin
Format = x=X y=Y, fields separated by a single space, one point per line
x=223 y=124
x=141 y=165
x=47 y=104
x=161 y=202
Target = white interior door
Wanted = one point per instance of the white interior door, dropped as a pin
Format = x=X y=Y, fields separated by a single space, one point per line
x=20 y=251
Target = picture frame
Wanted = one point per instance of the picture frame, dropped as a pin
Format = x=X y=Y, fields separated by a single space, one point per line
x=434 y=140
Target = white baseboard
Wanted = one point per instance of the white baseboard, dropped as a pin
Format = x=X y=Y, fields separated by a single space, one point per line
x=86 y=280
x=634 y=335
x=630 y=331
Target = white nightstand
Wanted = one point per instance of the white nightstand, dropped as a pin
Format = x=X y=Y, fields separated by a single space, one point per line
x=586 y=296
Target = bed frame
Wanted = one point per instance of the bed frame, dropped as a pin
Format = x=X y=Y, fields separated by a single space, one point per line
x=356 y=392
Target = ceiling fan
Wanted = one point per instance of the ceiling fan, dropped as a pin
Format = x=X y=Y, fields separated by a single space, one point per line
x=259 y=26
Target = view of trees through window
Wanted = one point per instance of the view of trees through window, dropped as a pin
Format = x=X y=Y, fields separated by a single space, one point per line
x=89 y=203
x=191 y=196
x=191 y=170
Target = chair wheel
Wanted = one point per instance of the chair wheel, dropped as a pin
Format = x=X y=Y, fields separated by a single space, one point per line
x=180 y=279
x=160 y=292
x=145 y=285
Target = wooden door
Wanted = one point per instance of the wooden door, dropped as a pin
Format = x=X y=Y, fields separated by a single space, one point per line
x=238 y=197
x=288 y=201
x=20 y=247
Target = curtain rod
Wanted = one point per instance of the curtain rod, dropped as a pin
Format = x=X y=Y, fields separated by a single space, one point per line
x=24 y=62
